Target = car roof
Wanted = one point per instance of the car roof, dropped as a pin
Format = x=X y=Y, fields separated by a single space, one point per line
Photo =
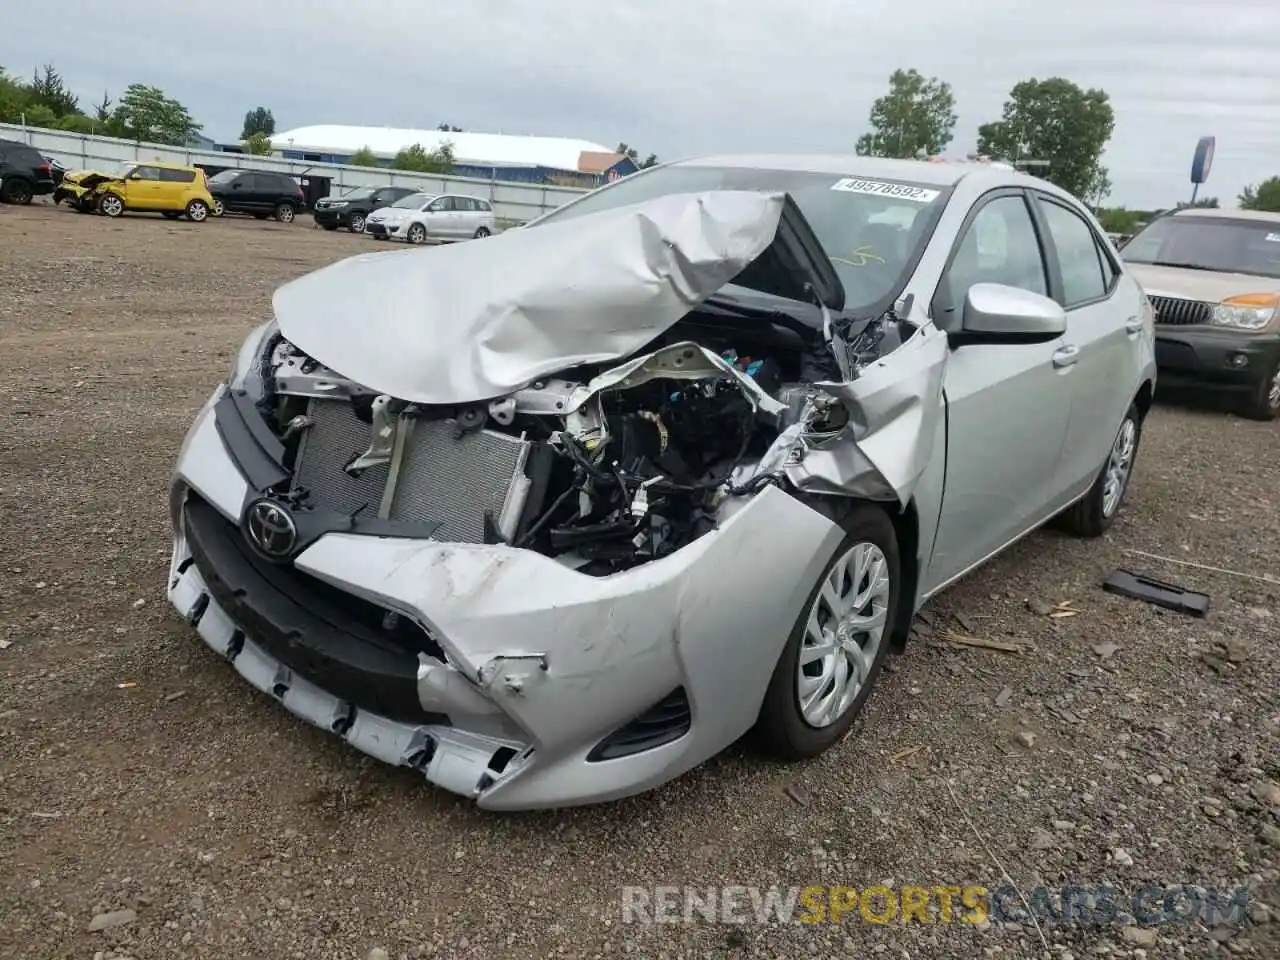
x=1265 y=216
x=937 y=172
x=160 y=164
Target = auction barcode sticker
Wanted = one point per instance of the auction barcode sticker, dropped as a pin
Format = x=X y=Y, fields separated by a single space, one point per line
x=879 y=188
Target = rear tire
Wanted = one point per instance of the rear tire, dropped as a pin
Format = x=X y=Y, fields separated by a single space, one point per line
x=856 y=635
x=284 y=212
x=1263 y=402
x=1093 y=515
x=197 y=211
x=16 y=190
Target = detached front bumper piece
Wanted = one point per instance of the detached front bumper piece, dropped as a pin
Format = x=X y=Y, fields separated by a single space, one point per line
x=498 y=673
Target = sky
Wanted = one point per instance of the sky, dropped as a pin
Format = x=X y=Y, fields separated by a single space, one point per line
x=686 y=77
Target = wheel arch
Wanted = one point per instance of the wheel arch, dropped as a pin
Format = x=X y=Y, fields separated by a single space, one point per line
x=1144 y=398
x=906 y=528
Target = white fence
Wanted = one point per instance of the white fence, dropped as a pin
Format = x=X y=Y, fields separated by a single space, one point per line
x=513 y=201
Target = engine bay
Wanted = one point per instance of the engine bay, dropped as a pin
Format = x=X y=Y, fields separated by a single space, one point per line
x=602 y=468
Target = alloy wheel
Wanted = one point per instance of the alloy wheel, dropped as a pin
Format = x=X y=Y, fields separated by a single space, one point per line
x=217 y=209
x=1273 y=395
x=111 y=205
x=1119 y=465
x=845 y=628
x=357 y=223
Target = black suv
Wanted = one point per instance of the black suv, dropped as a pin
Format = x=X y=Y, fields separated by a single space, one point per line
x=258 y=193
x=352 y=208
x=23 y=172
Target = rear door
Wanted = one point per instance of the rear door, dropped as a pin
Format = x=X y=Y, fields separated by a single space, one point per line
x=174 y=185
x=439 y=218
x=1101 y=325
x=1008 y=405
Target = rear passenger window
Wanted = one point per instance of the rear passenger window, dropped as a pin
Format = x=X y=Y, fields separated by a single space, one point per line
x=1079 y=257
x=482 y=205
x=177 y=176
x=466 y=203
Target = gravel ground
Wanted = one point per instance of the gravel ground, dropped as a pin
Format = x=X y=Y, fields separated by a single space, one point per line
x=138 y=773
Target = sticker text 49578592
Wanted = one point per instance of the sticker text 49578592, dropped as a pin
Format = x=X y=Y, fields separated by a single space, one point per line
x=900 y=191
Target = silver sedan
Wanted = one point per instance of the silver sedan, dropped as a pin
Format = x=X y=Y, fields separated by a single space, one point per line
x=556 y=517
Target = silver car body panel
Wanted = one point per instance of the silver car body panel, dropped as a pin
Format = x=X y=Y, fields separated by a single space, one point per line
x=983 y=443
x=412 y=325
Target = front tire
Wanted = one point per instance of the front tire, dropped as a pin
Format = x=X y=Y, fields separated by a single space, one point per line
x=218 y=209
x=837 y=647
x=356 y=223
x=482 y=233
x=417 y=234
x=1093 y=515
x=110 y=205
x=1263 y=402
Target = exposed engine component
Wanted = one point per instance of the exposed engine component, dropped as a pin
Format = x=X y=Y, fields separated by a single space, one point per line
x=614 y=468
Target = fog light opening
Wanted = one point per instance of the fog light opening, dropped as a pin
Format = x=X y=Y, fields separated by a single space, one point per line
x=1238 y=360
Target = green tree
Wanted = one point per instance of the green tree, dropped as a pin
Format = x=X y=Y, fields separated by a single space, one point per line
x=447 y=128
x=38 y=115
x=1265 y=196
x=1120 y=220
x=1207 y=202
x=145 y=113
x=364 y=157
x=258 y=120
x=1057 y=121
x=14 y=98
x=78 y=123
x=915 y=117
x=418 y=160
x=48 y=89
x=257 y=144
x=634 y=156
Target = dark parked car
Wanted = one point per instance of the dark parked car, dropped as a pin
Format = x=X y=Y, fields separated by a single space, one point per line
x=352 y=208
x=258 y=193
x=56 y=171
x=23 y=172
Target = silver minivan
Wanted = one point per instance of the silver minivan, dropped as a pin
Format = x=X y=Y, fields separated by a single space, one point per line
x=423 y=217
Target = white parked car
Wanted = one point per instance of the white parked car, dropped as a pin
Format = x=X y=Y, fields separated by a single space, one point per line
x=420 y=217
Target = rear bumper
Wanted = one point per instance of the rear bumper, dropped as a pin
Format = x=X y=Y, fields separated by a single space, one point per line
x=1221 y=359
x=42 y=187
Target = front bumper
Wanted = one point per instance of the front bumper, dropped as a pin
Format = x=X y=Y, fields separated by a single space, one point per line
x=330 y=217
x=539 y=664
x=1225 y=359
x=383 y=229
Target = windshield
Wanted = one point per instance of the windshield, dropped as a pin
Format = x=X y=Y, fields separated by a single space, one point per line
x=413 y=201
x=868 y=228
x=1221 y=244
x=123 y=169
x=359 y=193
x=226 y=176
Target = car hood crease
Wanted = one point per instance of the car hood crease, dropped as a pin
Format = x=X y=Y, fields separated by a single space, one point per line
x=474 y=321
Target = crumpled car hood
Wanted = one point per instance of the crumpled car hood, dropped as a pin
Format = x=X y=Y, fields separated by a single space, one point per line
x=481 y=319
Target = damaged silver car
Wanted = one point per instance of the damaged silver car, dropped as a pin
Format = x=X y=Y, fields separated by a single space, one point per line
x=556 y=517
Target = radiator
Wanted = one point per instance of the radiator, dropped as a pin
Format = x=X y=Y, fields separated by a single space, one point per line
x=439 y=478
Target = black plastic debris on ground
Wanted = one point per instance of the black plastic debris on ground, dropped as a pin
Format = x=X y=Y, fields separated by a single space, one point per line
x=1167 y=595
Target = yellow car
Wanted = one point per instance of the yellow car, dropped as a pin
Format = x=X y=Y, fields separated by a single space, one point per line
x=156 y=187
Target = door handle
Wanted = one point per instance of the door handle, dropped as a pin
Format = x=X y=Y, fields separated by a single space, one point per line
x=1066 y=356
x=1133 y=326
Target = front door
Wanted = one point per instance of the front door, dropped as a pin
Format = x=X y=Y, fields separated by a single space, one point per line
x=1008 y=405
x=143 y=189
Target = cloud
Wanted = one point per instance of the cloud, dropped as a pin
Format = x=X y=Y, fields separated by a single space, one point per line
x=693 y=76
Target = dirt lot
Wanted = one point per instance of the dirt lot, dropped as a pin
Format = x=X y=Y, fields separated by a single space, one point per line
x=138 y=772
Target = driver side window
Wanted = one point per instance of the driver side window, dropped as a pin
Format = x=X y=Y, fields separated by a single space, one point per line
x=1000 y=245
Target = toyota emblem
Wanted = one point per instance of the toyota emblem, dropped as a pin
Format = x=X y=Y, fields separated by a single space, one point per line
x=270 y=529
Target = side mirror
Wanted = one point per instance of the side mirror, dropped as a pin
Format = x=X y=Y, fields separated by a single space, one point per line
x=993 y=311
